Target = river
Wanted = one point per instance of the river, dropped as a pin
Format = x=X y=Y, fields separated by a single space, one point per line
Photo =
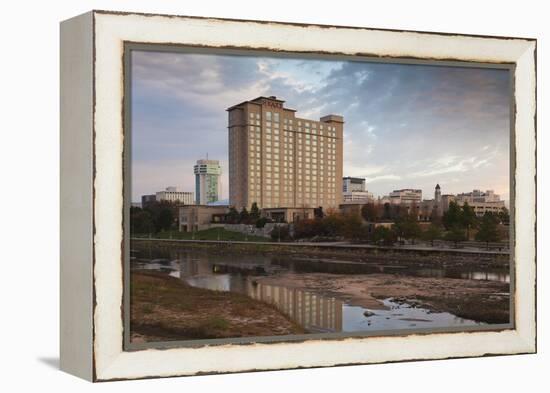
x=317 y=312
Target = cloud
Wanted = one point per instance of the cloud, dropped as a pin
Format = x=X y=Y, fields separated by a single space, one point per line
x=405 y=125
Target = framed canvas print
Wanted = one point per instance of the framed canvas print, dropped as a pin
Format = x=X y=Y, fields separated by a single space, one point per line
x=249 y=195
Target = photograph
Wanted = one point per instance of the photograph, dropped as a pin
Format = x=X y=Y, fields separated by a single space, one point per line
x=281 y=196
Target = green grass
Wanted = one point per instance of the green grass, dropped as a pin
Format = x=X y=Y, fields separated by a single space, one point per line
x=215 y=323
x=207 y=234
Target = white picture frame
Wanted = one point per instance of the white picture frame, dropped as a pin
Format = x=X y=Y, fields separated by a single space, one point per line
x=92 y=194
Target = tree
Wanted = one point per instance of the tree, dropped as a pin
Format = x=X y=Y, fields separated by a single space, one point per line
x=385 y=235
x=432 y=233
x=387 y=213
x=399 y=228
x=164 y=220
x=333 y=225
x=308 y=228
x=254 y=212
x=244 y=217
x=163 y=214
x=232 y=215
x=407 y=227
x=504 y=216
x=141 y=221
x=451 y=218
x=260 y=223
x=369 y=213
x=468 y=218
x=488 y=229
x=455 y=234
x=364 y=233
x=413 y=230
x=351 y=227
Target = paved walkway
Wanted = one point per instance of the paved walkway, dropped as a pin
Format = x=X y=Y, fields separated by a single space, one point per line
x=347 y=245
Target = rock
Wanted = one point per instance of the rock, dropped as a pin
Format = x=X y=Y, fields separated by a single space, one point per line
x=368 y=313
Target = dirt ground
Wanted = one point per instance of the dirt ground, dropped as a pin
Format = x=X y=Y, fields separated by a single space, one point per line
x=163 y=308
x=483 y=301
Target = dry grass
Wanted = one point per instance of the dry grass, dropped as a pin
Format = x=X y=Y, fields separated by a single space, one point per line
x=164 y=308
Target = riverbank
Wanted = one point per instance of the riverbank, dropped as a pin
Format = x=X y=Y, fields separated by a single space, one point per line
x=478 y=300
x=399 y=256
x=164 y=308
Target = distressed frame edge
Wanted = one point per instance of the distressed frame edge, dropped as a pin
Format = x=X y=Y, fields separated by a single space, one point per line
x=304 y=24
x=527 y=341
x=76 y=207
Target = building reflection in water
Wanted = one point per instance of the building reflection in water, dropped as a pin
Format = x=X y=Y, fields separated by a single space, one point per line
x=314 y=312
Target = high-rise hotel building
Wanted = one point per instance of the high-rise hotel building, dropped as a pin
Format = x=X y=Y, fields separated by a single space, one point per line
x=279 y=160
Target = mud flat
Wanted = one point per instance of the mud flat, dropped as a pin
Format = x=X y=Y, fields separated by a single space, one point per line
x=478 y=300
x=164 y=308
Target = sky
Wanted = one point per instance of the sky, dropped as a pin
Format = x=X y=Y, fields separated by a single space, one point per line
x=406 y=126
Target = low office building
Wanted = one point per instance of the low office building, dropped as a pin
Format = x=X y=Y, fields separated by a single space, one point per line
x=480 y=202
x=480 y=208
x=199 y=217
x=358 y=196
x=171 y=194
x=406 y=195
x=478 y=196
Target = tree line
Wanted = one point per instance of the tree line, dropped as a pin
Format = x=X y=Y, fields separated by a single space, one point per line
x=153 y=218
x=163 y=216
x=386 y=224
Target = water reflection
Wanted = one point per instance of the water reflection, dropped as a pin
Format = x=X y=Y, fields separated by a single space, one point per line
x=315 y=312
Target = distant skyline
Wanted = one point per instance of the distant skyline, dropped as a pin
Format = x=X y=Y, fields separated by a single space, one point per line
x=406 y=126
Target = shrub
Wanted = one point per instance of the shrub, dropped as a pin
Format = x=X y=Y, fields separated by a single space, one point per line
x=384 y=235
x=260 y=223
x=308 y=228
